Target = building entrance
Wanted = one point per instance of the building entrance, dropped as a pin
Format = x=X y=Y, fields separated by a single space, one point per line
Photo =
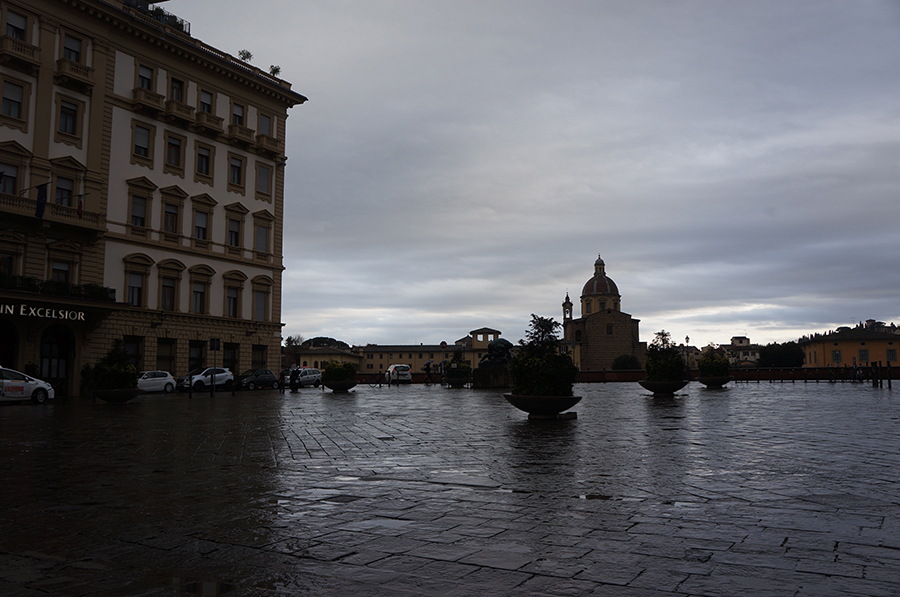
x=57 y=358
x=9 y=347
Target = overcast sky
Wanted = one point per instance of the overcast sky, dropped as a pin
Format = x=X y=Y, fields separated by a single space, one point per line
x=460 y=164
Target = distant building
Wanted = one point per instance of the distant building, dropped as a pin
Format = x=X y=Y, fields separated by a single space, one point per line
x=378 y=357
x=869 y=342
x=319 y=356
x=603 y=332
x=741 y=352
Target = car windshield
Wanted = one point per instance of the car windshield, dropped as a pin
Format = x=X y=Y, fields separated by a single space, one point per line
x=196 y=371
x=248 y=373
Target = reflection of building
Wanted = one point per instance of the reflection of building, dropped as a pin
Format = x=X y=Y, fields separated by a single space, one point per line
x=741 y=353
x=869 y=342
x=142 y=193
x=603 y=332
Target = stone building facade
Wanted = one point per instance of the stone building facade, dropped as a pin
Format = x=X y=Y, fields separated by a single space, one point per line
x=142 y=193
x=604 y=331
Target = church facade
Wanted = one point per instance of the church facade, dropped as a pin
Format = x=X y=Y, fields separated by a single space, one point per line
x=604 y=331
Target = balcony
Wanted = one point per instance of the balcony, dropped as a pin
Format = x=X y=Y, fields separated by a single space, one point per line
x=208 y=124
x=179 y=112
x=267 y=145
x=144 y=100
x=87 y=292
x=53 y=213
x=74 y=75
x=19 y=55
x=238 y=134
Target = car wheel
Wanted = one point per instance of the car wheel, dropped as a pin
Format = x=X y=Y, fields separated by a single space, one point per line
x=274 y=385
x=251 y=385
x=316 y=384
x=169 y=388
x=39 y=396
x=199 y=386
x=229 y=385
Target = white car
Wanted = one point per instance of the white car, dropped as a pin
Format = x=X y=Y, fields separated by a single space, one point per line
x=398 y=374
x=156 y=381
x=18 y=386
x=201 y=379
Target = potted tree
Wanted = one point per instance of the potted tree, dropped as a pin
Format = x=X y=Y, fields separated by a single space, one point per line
x=713 y=367
x=113 y=378
x=457 y=372
x=540 y=375
x=664 y=367
x=339 y=377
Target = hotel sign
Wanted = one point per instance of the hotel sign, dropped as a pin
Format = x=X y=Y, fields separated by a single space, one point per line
x=41 y=312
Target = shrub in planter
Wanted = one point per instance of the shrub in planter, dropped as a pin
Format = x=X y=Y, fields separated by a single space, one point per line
x=339 y=372
x=539 y=369
x=713 y=364
x=113 y=378
x=625 y=361
x=114 y=371
x=664 y=362
x=664 y=367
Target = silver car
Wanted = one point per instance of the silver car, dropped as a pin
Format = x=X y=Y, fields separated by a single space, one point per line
x=15 y=385
x=156 y=381
x=398 y=374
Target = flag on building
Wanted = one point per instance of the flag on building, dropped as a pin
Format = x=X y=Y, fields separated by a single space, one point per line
x=79 y=209
x=41 y=200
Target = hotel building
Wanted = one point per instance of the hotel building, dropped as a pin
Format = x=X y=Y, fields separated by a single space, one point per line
x=141 y=196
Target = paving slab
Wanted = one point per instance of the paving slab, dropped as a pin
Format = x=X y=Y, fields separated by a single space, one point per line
x=761 y=489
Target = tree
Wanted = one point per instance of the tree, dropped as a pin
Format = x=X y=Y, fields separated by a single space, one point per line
x=788 y=354
x=626 y=361
x=664 y=362
x=541 y=334
x=538 y=369
x=292 y=341
x=324 y=342
x=713 y=363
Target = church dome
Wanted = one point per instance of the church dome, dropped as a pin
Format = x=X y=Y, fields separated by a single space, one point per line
x=600 y=283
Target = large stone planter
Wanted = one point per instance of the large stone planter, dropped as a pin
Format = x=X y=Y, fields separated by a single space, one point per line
x=663 y=387
x=339 y=386
x=117 y=396
x=542 y=406
x=715 y=382
x=457 y=382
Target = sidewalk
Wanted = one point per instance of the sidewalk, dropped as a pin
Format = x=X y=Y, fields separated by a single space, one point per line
x=761 y=489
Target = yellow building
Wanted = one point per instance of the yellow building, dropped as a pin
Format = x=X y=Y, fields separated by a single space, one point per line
x=376 y=357
x=868 y=343
x=142 y=193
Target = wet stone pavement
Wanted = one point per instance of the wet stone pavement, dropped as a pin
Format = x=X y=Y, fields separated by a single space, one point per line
x=759 y=489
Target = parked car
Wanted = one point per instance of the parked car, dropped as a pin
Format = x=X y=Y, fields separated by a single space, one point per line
x=201 y=379
x=257 y=378
x=156 y=381
x=398 y=374
x=310 y=376
x=15 y=385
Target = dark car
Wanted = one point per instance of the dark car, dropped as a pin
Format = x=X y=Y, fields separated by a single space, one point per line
x=258 y=378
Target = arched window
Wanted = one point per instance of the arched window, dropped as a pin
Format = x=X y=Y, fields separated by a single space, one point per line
x=137 y=268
